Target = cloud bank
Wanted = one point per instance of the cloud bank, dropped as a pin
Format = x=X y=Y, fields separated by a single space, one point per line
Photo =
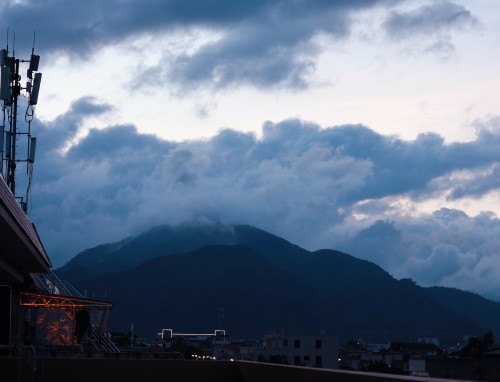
x=261 y=43
x=318 y=187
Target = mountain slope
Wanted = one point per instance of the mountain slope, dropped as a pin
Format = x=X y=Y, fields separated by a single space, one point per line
x=167 y=240
x=185 y=292
x=180 y=277
x=158 y=241
x=333 y=291
x=482 y=310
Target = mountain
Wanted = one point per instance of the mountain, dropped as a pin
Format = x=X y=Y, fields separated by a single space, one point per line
x=167 y=240
x=482 y=310
x=158 y=241
x=179 y=277
x=185 y=292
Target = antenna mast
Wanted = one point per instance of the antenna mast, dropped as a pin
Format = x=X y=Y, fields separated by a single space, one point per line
x=10 y=91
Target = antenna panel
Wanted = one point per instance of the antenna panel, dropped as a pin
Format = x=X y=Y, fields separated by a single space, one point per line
x=11 y=62
x=5 y=91
x=31 y=158
x=35 y=60
x=36 y=89
x=3 y=57
x=2 y=137
x=7 y=146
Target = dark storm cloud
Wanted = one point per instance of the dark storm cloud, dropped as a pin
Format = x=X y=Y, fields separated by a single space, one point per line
x=434 y=20
x=447 y=248
x=430 y=18
x=268 y=48
x=76 y=26
x=298 y=180
x=478 y=184
x=91 y=183
x=397 y=166
x=260 y=43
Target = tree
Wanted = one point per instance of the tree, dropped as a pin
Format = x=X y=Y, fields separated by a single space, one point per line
x=477 y=346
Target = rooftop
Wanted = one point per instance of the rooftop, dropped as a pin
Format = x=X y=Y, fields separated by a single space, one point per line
x=22 y=250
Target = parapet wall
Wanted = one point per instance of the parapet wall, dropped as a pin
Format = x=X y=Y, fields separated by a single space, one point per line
x=265 y=372
x=111 y=370
x=85 y=369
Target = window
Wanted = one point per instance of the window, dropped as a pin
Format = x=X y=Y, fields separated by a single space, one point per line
x=318 y=344
x=285 y=343
x=306 y=358
x=296 y=360
x=296 y=344
x=319 y=361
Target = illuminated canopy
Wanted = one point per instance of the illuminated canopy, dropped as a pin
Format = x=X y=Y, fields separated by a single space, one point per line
x=61 y=302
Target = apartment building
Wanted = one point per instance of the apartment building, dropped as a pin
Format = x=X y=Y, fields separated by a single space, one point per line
x=311 y=350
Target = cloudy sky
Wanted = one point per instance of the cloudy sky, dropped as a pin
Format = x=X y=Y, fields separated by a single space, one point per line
x=367 y=126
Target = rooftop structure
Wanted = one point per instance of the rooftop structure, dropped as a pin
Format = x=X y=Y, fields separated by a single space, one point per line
x=22 y=251
x=35 y=306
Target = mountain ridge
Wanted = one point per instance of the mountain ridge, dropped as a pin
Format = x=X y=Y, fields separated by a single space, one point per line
x=320 y=290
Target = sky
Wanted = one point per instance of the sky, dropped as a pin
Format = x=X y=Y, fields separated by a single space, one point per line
x=371 y=127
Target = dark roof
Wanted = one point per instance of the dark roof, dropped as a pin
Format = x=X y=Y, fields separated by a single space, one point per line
x=21 y=250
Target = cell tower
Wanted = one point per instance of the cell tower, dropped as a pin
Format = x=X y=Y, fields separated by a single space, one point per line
x=11 y=90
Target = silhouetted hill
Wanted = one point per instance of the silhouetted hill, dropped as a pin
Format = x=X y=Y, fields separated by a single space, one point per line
x=185 y=292
x=167 y=240
x=158 y=241
x=484 y=311
x=168 y=278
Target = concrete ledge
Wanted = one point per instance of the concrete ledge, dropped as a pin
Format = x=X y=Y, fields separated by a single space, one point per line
x=85 y=369
x=123 y=370
x=266 y=372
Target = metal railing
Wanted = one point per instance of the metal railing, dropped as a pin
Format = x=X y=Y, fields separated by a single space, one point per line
x=99 y=337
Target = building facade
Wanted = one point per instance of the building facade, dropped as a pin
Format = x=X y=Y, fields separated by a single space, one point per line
x=300 y=349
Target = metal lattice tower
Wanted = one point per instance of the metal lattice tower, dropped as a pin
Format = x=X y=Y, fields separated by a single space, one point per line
x=11 y=90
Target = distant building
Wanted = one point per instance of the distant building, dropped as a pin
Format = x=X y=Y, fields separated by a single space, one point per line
x=300 y=349
x=401 y=356
x=429 y=340
x=377 y=348
x=206 y=343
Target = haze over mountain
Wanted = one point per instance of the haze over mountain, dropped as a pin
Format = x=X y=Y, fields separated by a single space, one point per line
x=181 y=276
